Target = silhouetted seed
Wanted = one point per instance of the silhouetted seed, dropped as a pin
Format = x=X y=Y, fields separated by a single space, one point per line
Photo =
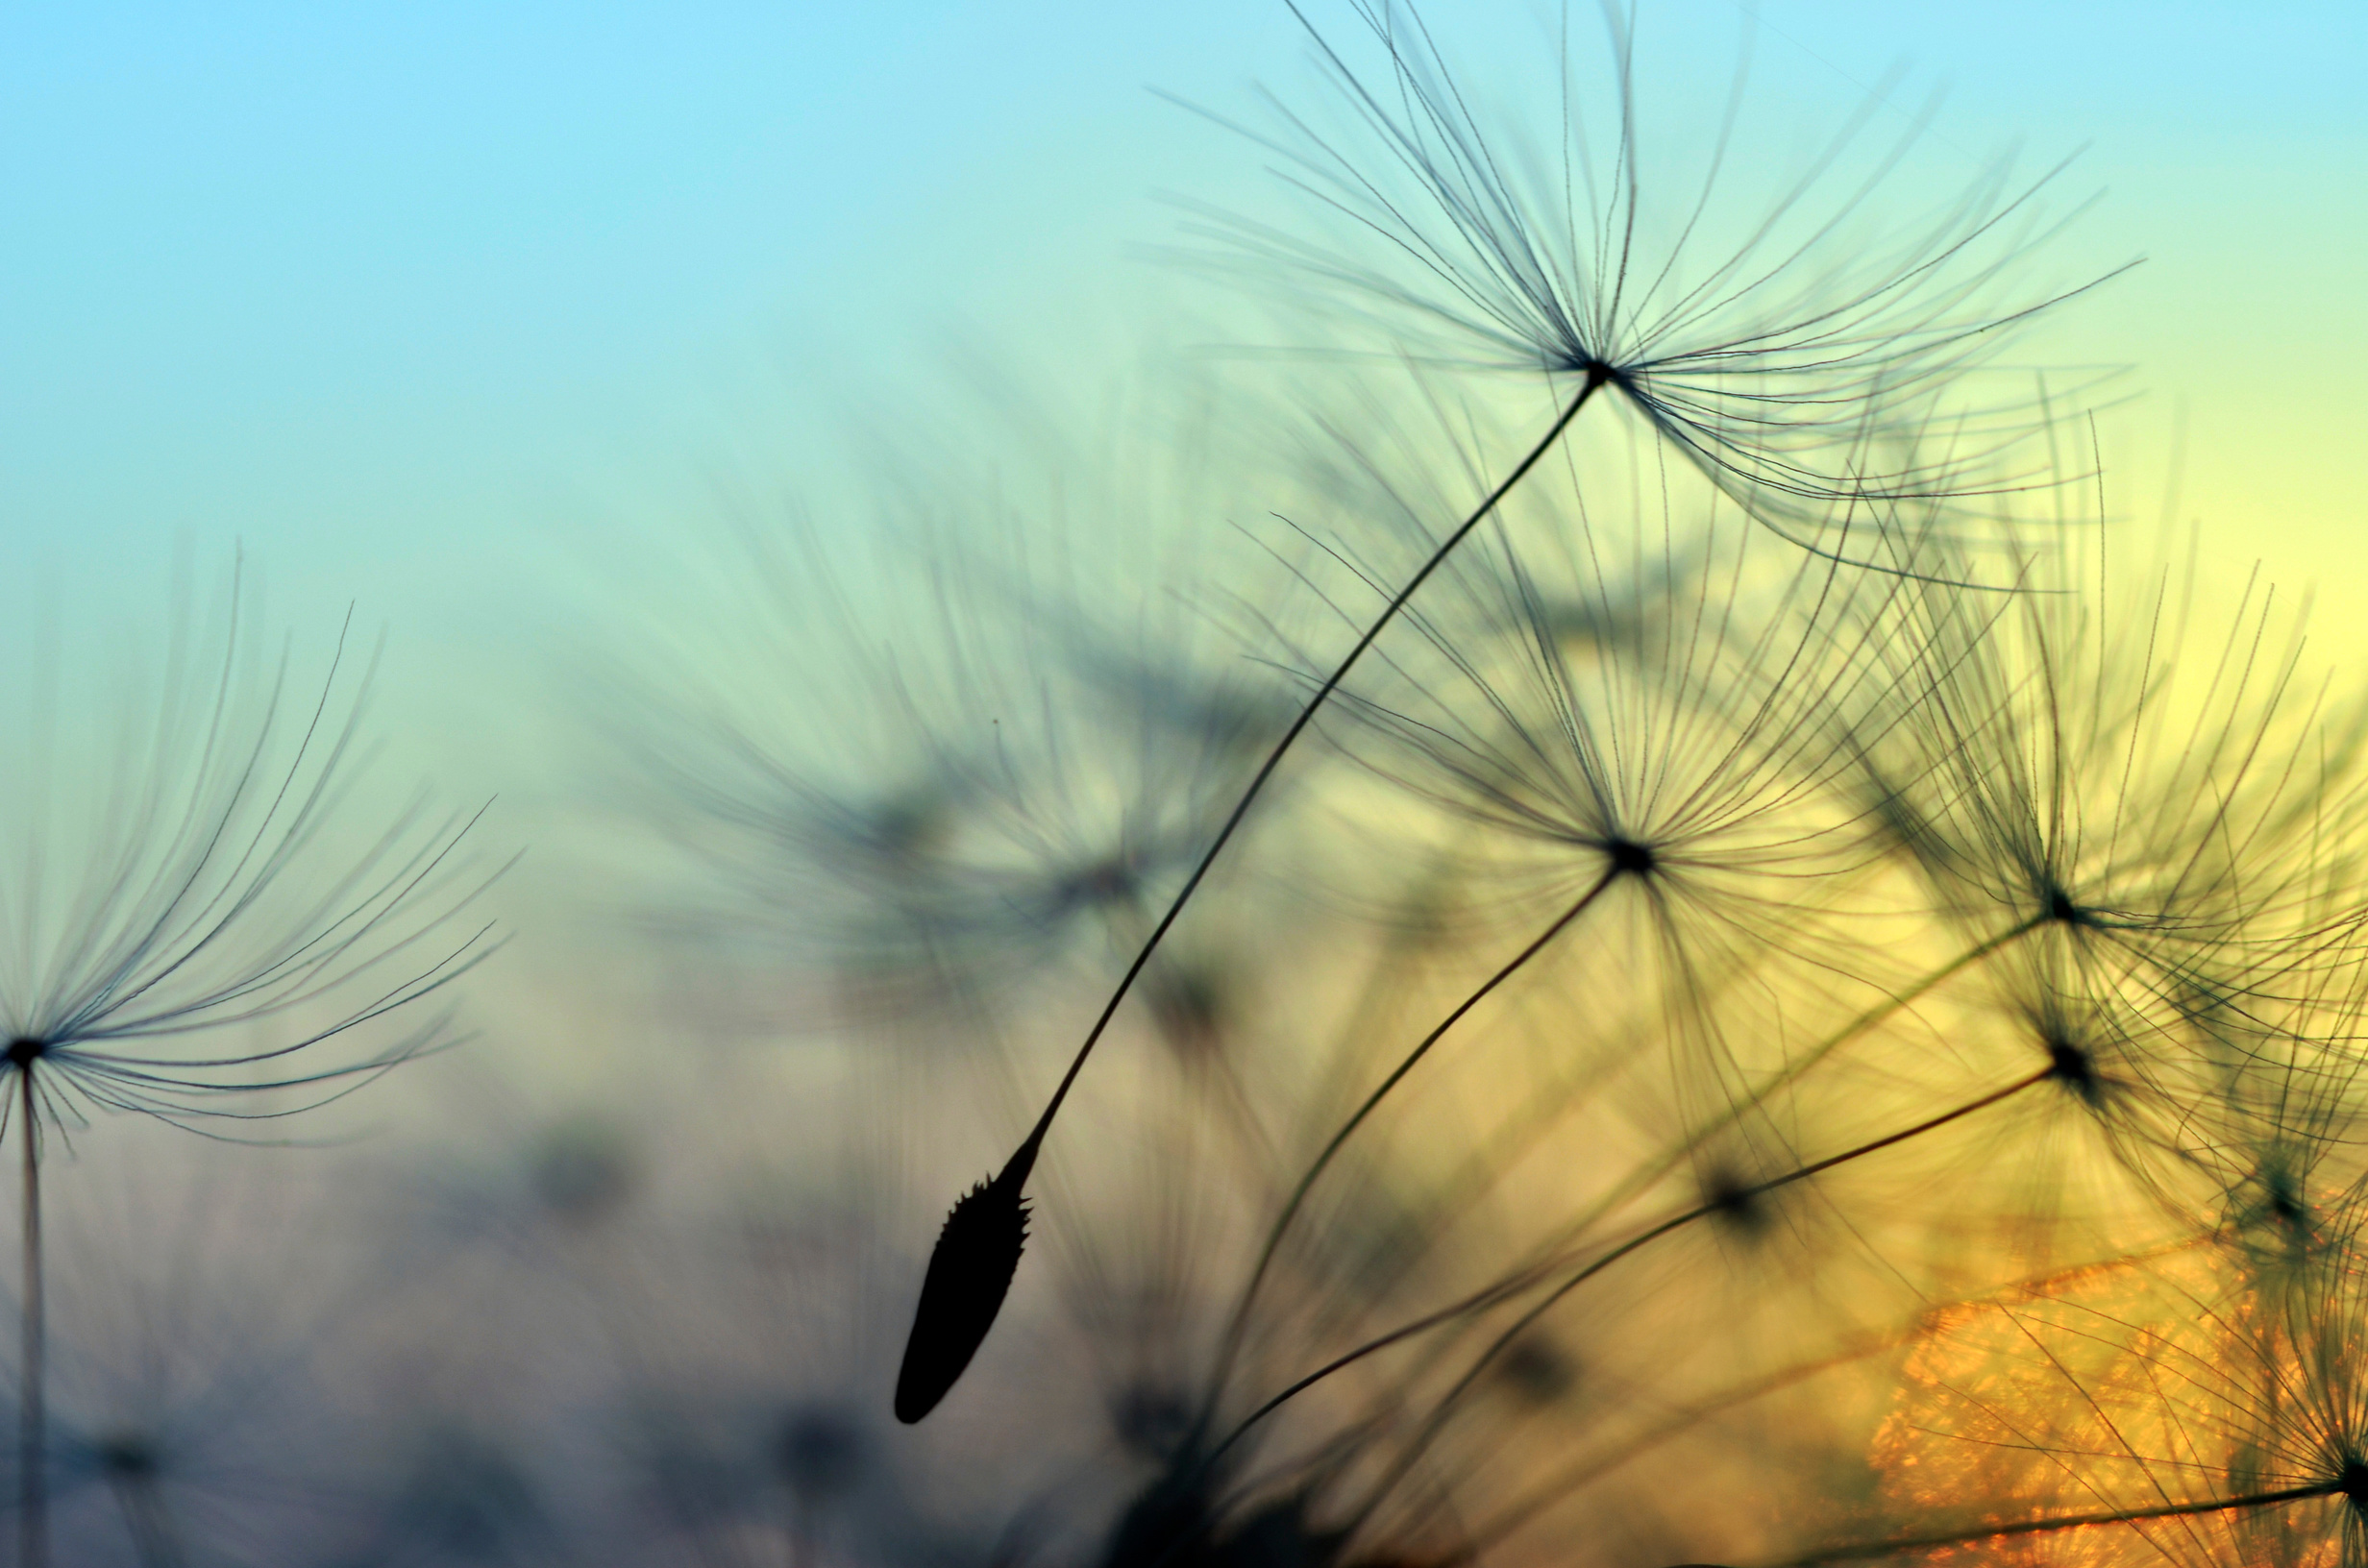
x=970 y=1273
x=24 y=1050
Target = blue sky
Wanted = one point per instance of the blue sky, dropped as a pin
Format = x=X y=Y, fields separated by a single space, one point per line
x=405 y=296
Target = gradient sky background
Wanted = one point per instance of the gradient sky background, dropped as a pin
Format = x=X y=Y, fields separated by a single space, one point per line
x=431 y=303
x=474 y=314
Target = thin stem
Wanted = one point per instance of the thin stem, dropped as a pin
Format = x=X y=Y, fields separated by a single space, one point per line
x=1024 y=1158
x=32 y=1419
x=2078 y=1521
x=1231 y=1345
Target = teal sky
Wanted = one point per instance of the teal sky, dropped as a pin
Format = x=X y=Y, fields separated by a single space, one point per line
x=430 y=304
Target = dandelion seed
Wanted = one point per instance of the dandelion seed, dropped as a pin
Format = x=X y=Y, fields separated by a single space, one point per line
x=187 y=918
x=1761 y=365
x=969 y=1272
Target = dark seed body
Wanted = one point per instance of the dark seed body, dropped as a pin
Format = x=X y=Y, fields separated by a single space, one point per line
x=970 y=1273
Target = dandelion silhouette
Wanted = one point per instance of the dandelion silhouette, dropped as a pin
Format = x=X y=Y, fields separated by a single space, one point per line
x=1763 y=366
x=1750 y=372
x=189 y=919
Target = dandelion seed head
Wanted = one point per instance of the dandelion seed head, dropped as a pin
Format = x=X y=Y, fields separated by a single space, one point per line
x=908 y=826
x=1765 y=365
x=191 y=883
x=999 y=795
x=1111 y=882
x=2276 y=1217
x=1644 y=700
